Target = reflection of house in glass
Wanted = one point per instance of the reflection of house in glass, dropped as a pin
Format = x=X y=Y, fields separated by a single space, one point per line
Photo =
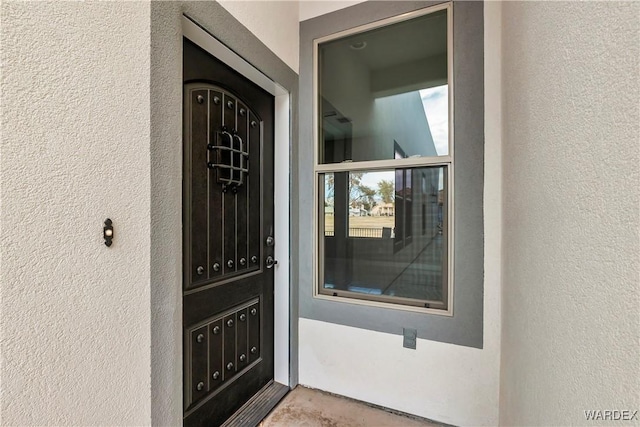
x=358 y=211
x=383 y=209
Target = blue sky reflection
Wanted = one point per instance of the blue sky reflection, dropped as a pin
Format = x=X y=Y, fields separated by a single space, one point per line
x=435 y=101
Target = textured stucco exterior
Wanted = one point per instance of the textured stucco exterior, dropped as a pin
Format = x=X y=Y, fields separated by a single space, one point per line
x=75 y=150
x=281 y=37
x=571 y=322
x=91 y=128
x=312 y=8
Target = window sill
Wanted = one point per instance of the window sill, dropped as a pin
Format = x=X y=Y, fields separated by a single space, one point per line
x=379 y=304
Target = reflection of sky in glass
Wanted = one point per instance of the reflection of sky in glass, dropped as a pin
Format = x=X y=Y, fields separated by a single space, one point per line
x=435 y=103
x=371 y=179
x=328 y=187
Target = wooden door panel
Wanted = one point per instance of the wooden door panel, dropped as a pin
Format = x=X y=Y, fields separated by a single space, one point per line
x=253 y=190
x=198 y=364
x=215 y=197
x=216 y=367
x=242 y=143
x=199 y=104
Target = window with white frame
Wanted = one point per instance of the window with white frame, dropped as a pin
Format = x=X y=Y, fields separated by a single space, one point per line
x=384 y=162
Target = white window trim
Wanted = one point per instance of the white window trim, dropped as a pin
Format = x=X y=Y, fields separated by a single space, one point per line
x=387 y=164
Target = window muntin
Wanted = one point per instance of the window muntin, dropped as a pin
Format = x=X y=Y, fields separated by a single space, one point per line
x=396 y=128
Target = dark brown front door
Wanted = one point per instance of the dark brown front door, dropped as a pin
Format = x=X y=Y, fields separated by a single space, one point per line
x=228 y=239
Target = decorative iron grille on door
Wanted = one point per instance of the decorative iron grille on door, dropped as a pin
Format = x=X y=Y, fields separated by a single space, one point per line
x=225 y=188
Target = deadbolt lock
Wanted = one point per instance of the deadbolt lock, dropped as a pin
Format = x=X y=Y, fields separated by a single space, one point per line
x=270 y=262
x=270 y=241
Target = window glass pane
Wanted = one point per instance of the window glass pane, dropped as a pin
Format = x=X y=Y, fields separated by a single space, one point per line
x=384 y=235
x=383 y=94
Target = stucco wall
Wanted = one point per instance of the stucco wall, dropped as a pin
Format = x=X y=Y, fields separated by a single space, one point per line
x=281 y=36
x=75 y=150
x=312 y=8
x=571 y=328
x=444 y=382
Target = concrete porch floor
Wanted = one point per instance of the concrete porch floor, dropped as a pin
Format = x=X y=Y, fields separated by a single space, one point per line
x=304 y=407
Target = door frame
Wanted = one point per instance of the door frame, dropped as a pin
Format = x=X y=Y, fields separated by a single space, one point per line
x=282 y=184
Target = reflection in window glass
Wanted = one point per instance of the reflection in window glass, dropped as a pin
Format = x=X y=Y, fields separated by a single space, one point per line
x=370 y=248
x=436 y=108
x=385 y=87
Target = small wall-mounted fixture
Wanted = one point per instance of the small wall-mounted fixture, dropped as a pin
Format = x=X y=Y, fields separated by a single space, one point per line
x=410 y=337
x=107 y=232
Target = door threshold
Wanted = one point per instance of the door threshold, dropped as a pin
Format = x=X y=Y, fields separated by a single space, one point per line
x=258 y=407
